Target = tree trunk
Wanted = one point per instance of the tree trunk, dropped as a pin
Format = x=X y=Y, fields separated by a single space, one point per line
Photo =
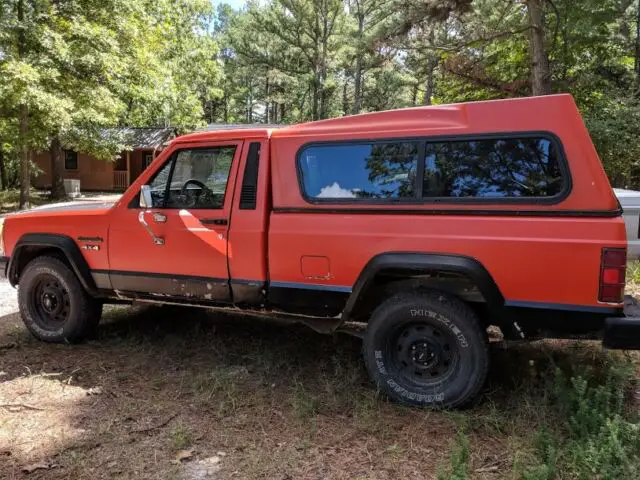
x=540 y=69
x=250 y=103
x=267 y=92
x=345 y=97
x=430 y=85
x=316 y=97
x=637 y=55
x=57 y=182
x=25 y=174
x=432 y=63
x=4 y=183
x=323 y=60
x=357 y=87
x=414 y=95
x=323 y=78
x=357 y=95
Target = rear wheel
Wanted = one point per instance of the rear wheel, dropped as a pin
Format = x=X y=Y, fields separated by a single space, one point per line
x=53 y=304
x=427 y=349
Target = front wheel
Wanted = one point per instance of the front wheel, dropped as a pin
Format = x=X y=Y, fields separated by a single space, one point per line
x=427 y=349
x=53 y=304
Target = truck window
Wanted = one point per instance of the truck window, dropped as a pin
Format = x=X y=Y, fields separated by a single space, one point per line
x=359 y=171
x=194 y=178
x=492 y=168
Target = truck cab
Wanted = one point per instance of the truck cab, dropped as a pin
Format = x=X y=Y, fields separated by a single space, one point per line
x=425 y=226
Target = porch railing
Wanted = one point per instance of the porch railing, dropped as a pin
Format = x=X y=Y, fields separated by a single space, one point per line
x=120 y=180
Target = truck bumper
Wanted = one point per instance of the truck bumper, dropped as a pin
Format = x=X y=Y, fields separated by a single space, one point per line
x=623 y=333
x=4 y=264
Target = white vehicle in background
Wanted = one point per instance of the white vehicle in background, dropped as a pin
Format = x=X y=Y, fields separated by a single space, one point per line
x=630 y=202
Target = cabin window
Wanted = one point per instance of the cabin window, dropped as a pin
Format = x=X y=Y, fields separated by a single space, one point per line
x=70 y=160
x=147 y=158
x=492 y=168
x=385 y=170
x=193 y=179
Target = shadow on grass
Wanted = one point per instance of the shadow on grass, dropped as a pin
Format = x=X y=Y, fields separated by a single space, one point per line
x=278 y=398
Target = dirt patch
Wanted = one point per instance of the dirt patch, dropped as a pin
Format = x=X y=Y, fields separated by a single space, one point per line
x=244 y=398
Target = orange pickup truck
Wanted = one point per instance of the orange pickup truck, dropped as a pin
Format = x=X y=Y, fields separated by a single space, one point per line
x=424 y=225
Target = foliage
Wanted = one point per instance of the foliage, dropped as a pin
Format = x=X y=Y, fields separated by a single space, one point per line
x=633 y=273
x=599 y=437
x=70 y=69
x=433 y=52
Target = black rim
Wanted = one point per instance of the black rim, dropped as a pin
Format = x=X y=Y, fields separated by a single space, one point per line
x=50 y=302
x=423 y=354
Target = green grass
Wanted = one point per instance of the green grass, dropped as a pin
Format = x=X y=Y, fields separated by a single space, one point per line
x=633 y=272
x=305 y=404
x=459 y=461
x=10 y=199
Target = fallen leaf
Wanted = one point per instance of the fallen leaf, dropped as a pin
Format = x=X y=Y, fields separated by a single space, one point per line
x=182 y=455
x=38 y=466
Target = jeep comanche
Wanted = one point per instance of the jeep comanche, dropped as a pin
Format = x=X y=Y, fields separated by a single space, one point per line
x=424 y=226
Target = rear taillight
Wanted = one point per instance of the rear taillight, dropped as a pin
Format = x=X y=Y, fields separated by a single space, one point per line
x=612 y=275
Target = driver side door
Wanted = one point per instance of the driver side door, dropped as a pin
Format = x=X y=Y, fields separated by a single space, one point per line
x=178 y=246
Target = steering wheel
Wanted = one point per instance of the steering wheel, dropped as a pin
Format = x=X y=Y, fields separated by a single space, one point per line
x=192 y=200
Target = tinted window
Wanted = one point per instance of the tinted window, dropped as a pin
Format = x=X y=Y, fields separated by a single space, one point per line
x=70 y=160
x=199 y=179
x=379 y=170
x=497 y=168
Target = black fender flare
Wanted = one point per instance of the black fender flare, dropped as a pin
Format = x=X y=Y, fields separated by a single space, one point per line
x=423 y=262
x=64 y=244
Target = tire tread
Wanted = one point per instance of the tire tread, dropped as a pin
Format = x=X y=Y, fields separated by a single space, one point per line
x=86 y=310
x=457 y=309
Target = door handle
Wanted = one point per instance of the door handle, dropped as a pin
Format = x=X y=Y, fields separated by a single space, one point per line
x=159 y=218
x=214 y=221
x=143 y=222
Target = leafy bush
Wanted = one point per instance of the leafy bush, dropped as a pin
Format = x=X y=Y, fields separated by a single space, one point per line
x=598 y=438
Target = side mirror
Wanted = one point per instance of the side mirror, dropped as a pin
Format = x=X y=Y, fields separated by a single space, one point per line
x=146 y=201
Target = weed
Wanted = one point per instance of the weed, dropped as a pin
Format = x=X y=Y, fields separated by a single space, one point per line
x=305 y=405
x=180 y=437
x=492 y=420
x=633 y=272
x=459 y=460
x=220 y=388
x=597 y=439
x=367 y=407
x=547 y=451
